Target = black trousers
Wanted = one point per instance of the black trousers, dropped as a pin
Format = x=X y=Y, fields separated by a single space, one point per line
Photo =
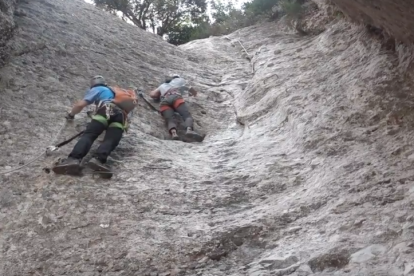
x=111 y=140
x=182 y=109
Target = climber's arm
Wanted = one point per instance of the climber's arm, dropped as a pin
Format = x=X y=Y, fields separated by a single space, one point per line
x=155 y=94
x=89 y=98
x=78 y=107
x=189 y=88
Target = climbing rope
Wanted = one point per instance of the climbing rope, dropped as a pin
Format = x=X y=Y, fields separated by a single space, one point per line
x=248 y=56
x=59 y=132
x=21 y=167
x=37 y=157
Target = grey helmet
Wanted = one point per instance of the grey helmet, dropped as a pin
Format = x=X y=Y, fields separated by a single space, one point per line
x=173 y=76
x=97 y=80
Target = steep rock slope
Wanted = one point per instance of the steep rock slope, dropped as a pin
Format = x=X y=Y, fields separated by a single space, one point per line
x=328 y=127
x=306 y=168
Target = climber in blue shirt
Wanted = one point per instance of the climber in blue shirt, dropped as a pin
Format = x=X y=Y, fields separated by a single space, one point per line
x=107 y=118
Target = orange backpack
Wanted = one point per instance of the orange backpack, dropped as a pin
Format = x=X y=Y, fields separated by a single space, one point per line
x=126 y=99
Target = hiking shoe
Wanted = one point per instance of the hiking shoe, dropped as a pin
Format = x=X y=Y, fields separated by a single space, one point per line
x=69 y=166
x=175 y=136
x=192 y=135
x=99 y=167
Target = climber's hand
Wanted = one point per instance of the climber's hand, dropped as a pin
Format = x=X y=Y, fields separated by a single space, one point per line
x=192 y=92
x=69 y=116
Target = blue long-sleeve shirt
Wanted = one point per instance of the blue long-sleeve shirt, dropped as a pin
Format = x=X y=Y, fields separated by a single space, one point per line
x=98 y=94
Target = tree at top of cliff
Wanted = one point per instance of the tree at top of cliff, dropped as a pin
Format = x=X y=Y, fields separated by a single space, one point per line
x=159 y=15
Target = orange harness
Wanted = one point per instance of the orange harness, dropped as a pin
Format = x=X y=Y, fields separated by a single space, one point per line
x=175 y=104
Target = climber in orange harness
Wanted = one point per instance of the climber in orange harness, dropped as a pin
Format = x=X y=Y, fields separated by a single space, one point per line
x=112 y=106
x=170 y=95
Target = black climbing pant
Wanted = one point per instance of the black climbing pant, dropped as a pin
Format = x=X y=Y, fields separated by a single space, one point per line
x=182 y=109
x=113 y=136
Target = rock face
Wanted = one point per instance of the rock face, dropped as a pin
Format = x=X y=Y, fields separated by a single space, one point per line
x=306 y=168
x=394 y=17
x=7 y=26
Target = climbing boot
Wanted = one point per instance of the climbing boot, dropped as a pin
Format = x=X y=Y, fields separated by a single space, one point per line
x=100 y=168
x=174 y=135
x=69 y=166
x=194 y=136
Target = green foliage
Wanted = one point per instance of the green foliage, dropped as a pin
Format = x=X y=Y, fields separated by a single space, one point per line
x=201 y=31
x=180 y=34
x=186 y=20
x=188 y=31
x=221 y=10
x=291 y=8
x=159 y=15
x=260 y=7
x=338 y=14
x=274 y=9
x=226 y=19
